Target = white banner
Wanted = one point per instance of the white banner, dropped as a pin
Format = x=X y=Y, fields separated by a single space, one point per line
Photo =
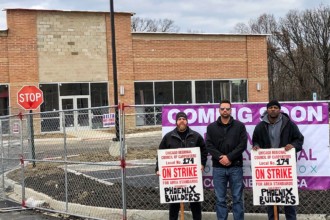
x=180 y=177
x=274 y=177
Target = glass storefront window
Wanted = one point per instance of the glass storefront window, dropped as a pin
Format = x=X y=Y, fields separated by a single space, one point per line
x=99 y=97
x=143 y=93
x=51 y=120
x=78 y=92
x=182 y=92
x=221 y=90
x=50 y=92
x=4 y=100
x=4 y=108
x=69 y=89
x=203 y=91
x=163 y=92
x=238 y=91
x=99 y=94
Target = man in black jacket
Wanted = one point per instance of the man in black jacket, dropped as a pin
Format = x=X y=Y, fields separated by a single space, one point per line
x=181 y=137
x=226 y=140
x=274 y=131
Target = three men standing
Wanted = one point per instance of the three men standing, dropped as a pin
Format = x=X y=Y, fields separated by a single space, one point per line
x=226 y=140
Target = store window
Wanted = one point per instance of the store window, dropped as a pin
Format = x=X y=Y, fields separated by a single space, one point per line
x=238 y=91
x=182 y=92
x=71 y=89
x=4 y=100
x=99 y=98
x=221 y=90
x=203 y=91
x=144 y=93
x=98 y=95
x=4 y=109
x=164 y=92
x=50 y=117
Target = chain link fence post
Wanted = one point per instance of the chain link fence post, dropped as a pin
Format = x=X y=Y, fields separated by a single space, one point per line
x=122 y=157
x=2 y=163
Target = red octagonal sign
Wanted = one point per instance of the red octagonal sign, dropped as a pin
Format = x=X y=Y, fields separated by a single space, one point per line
x=30 y=97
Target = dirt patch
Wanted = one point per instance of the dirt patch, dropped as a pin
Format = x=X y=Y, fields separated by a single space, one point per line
x=52 y=136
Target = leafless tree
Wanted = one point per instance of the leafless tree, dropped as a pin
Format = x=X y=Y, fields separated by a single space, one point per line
x=298 y=52
x=153 y=25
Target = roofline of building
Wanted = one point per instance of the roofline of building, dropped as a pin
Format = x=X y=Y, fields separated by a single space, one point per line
x=209 y=34
x=55 y=10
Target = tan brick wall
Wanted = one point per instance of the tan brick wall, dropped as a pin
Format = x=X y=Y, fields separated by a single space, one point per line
x=22 y=52
x=4 y=75
x=257 y=68
x=194 y=57
x=72 y=47
x=124 y=55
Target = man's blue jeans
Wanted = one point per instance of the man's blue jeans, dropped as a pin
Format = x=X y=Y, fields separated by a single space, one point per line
x=221 y=177
x=290 y=212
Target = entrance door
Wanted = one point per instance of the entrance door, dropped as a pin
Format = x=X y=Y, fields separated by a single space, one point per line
x=79 y=117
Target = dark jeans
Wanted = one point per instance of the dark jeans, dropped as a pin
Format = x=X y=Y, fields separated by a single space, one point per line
x=195 y=208
x=289 y=211
x=221 y=177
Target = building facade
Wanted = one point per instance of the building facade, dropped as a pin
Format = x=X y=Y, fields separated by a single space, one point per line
x=68 y=55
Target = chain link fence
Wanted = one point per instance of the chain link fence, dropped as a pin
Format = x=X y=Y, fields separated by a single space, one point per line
x=80 y=162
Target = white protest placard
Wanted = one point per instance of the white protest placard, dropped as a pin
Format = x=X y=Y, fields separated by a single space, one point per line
x=180 y=177
x=274 y=177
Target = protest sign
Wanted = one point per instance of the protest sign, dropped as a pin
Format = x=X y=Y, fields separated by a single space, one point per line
x=180 y=177
x=108 y=120
x=274 y=177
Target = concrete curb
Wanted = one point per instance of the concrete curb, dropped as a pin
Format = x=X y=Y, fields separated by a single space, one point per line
x=111 y=213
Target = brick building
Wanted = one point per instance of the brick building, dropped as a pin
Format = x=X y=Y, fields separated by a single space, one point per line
x=67 y=54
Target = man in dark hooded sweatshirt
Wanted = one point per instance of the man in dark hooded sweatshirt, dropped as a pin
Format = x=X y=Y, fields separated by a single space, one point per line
x=274 y=131
x=181 y=137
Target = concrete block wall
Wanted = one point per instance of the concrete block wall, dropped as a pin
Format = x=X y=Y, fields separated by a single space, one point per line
x=71 y=47
x=4 y=57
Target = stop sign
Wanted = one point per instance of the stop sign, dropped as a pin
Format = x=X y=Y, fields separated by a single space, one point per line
x=30 y=97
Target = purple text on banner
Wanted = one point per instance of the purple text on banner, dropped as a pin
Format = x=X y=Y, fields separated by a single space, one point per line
x=249 y=114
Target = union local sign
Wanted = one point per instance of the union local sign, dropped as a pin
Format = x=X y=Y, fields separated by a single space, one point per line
x=30 y=97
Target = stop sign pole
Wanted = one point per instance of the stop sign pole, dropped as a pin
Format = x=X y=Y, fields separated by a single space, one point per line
x=30 y=98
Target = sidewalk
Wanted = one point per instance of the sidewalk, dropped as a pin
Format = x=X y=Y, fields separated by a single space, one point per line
x=11 y=210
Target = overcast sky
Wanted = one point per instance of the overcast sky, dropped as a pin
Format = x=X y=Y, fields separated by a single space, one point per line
x=207 y=16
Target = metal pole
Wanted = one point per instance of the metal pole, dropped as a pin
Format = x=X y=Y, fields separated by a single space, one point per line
x=22 y=159
x=2 y=158
x=114 y=67
x=32 y=139
x=123 y=161
x=66 y=164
